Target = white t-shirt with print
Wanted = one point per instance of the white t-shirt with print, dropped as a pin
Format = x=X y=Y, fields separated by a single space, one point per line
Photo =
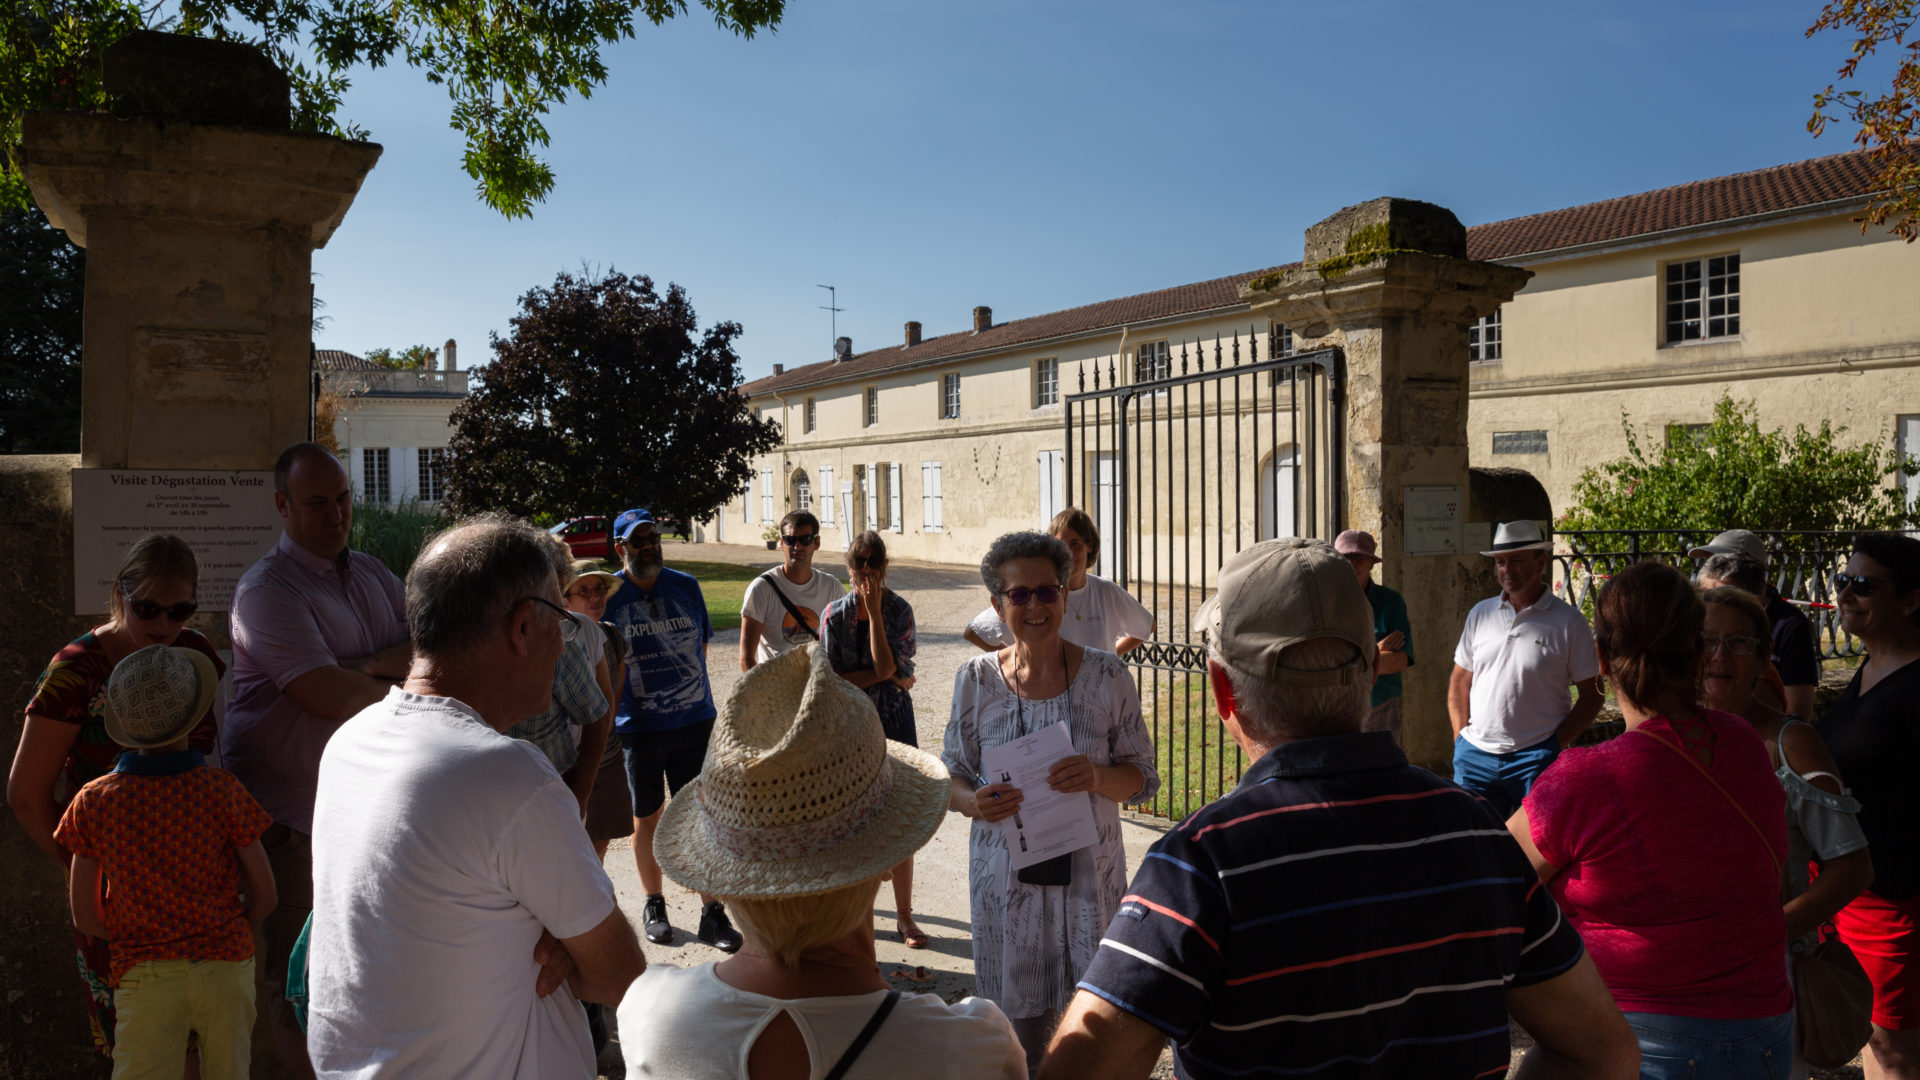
x=1098 y=615
x=780 y=632
x=441 y=849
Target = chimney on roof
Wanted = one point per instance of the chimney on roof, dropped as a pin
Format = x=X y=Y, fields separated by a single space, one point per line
x=982 y=319
x=842 y=349
x=913 y=334
x=453 y=363
x=779 y=369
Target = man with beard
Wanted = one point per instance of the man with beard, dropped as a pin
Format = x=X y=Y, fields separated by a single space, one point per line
x=666 y=710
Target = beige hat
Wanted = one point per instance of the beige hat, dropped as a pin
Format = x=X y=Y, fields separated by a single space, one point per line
x=157 y=695
x=801 y=792
x=1733 y=542
x=1279 y=593
x=588 y=568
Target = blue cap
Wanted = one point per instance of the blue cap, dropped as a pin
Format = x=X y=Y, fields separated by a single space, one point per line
x=624 y=525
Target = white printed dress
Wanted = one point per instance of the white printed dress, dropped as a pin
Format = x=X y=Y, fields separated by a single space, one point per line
x=1030 y=942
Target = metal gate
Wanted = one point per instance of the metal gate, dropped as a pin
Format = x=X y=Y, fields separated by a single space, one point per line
x=1206 y=449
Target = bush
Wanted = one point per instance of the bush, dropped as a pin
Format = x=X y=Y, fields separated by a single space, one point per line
x=394 y=534
x=1731 y=474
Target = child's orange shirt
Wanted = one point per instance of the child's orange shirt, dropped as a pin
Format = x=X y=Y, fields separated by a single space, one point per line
x=164 y=829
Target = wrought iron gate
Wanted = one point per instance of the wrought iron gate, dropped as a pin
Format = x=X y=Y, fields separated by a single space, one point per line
x=1205 y=450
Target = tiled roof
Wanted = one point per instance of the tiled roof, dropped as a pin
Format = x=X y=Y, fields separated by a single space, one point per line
x=1193 y=299
x=1848 y=177
x=339 y=360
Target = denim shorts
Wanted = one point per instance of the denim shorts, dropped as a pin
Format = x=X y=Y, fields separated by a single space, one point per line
x=1692 y=1048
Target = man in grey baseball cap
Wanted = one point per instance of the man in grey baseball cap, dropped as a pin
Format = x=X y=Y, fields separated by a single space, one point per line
x=1307 y=894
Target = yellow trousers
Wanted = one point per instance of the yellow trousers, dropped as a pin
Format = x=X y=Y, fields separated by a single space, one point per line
x=158 y=1002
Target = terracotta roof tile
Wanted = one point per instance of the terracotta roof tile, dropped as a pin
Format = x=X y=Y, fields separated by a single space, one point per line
x=340 y=360
x=1841 y=177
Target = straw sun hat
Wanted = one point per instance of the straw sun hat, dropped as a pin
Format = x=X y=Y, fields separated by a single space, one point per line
x=156 y=695
x=801 y=792
x=587 y=568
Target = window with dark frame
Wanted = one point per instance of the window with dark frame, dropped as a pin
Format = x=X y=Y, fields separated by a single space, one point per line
x=1283 y=341
x=1483 y=340
x=1703 y=299
x=950 y=396
x=873 y=406
x=375 y=476
x=433 y=473
x=1681 y=434
x=1152 y=362
x=1519 y=442
x=1046 y=382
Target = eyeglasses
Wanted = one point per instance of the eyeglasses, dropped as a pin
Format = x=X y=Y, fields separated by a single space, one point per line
x=1861 y=584
x=149 y=610
x=793 y=540
x=866 y=562
x=1732 y=644
x=1021 y=597
x=591 y=589
x=568 y=627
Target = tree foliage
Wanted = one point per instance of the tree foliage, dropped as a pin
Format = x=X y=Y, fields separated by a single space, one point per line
x=42 y=283
x=605 y=395
x=504 y=65
x=1734 y=474
x=411 y=358
x=1886 y=119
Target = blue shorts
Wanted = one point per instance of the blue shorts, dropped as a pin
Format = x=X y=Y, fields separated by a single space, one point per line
x=1501 y=779
x=676 y=755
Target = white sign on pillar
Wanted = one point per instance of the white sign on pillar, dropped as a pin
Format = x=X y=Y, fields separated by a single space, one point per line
x=1432 y=520
x=227 y=517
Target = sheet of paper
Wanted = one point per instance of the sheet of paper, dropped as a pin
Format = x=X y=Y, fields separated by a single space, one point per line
x=1049 y=823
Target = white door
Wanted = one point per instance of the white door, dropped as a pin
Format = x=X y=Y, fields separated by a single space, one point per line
x=1276 y=496
x=1106 y=513
x=846 y=507
x=873 y=496
x=1051 y=470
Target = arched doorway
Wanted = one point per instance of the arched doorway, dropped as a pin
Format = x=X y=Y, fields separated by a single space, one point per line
x=1276 y=494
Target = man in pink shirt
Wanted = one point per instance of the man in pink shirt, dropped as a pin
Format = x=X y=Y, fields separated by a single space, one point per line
x=319 y=633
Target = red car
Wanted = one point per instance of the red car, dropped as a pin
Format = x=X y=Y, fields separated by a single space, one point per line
x=586 y=536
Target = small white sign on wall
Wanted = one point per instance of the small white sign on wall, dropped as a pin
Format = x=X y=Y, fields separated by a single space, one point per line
x=227 y=517
x=1432 y=520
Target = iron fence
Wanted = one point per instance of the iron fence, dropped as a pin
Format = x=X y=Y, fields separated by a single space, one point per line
x=1800 y=566
x=1200 y=449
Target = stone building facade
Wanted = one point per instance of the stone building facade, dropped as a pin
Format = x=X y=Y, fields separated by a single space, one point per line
x=393 y=427
x=1652 y=305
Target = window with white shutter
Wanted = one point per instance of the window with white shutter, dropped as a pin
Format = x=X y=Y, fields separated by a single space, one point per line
x=930 y=510
x=825 y=510
x=1052 y=467
x=893 y=497
x=766 y=496
x=873 y=496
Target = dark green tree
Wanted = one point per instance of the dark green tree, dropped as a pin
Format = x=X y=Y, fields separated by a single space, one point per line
x=1733 y=473
x=42 y=282
x=411 y=358
x=504 y=65
x=605 y=395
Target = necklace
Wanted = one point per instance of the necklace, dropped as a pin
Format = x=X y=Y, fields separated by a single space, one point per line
x=1076 y=614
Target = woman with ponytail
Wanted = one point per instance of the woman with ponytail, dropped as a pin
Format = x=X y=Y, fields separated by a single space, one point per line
x=1665 y=846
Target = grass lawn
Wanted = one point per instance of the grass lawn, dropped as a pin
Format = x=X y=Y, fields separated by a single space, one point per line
x=723 y=584
x=1197 y=759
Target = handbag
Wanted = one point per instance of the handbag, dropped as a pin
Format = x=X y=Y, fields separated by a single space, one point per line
x=799 y=620
x=1833 y=999
x=861 y=1040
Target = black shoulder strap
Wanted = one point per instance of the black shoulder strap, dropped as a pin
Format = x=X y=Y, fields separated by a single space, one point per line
x=798 y=619
x=861 y=1040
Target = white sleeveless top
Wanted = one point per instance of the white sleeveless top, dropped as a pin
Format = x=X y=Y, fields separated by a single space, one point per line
x=688 y=1024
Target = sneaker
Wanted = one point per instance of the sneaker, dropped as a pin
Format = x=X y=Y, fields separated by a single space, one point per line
x=653 y=921
x=716 y=930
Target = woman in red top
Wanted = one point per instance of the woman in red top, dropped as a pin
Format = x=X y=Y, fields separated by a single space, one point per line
x=65 y=744
x=1664 y=848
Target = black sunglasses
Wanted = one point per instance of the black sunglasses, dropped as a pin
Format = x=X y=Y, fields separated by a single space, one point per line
x=1021 y=597
x=150 y=610
x=1861 y=583
x=792 y=540
x=649 y=540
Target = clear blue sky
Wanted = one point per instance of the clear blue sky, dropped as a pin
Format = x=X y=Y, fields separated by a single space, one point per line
x=926 y=156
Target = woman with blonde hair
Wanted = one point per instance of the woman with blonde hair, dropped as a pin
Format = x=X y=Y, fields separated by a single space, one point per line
x=801 y=806
x=65 y=744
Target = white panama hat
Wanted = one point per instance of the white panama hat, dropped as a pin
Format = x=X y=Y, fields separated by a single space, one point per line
x=1518 y=536
x=801 y=792
x=157 y=695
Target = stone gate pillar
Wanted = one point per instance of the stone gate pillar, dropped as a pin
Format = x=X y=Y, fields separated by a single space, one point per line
x=199 y=210
x=1388 y=281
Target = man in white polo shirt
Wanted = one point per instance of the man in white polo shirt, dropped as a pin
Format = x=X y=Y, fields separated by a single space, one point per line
x=1520 y=652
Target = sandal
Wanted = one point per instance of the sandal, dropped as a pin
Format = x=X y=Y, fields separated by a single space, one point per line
x=915 y=938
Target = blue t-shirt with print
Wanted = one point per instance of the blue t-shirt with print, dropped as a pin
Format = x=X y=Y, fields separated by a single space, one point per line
x=664 y=628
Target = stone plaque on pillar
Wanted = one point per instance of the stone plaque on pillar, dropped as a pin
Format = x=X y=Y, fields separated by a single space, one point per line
x=1433 y=520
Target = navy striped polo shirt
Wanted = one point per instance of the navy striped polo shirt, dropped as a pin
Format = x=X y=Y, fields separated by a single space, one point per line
x=1338 y=913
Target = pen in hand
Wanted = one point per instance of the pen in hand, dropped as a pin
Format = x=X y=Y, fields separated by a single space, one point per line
x=982 y=781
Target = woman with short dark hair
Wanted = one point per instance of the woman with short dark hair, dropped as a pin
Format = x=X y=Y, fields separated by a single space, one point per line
x=1036 y=929
x=868 y=637
x=1664 y=847
x=1098 y=613
x=1873 y=729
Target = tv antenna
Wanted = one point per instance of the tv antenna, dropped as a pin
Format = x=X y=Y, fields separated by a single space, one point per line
x=832 y=305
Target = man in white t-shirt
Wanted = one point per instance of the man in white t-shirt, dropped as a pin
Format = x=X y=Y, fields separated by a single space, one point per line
x=454 y=888
x=1519 y=653
x=785 y=606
